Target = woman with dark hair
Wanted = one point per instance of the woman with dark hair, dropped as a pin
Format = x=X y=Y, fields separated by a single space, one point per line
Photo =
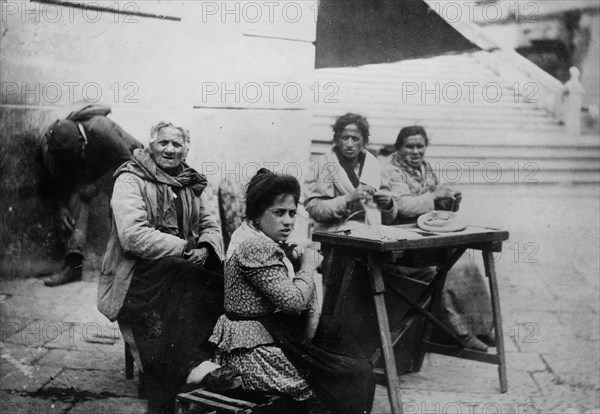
x=347 y=177
x=261 y=334
x=416 y=189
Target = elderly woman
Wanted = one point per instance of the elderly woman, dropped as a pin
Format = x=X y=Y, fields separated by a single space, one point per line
x=261 y=334
x=416 y=190
x=156 y=279
x=346 y=177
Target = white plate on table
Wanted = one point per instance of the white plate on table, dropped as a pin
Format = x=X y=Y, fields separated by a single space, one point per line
x=439 y=221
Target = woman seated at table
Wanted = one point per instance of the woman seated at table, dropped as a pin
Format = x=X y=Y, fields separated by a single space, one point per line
x=156 y=279
x=416 y=190
x=261 y=334
x=341 y=181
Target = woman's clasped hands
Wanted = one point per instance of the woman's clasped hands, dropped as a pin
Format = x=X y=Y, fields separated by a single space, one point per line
x=197 y=256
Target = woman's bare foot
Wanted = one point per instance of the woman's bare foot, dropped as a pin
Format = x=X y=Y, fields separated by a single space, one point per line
x=197 y=374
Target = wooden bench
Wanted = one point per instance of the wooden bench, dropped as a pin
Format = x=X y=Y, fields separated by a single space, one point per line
x=203 y=401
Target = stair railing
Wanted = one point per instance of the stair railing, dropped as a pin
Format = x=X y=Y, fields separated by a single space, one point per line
x=536 y=86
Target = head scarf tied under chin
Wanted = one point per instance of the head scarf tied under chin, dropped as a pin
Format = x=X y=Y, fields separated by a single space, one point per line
x=144 y=166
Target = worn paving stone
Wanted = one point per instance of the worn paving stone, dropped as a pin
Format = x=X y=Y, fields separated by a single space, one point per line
x=582 y=325
x=515 y=361
x=54 y=307
x=542 y=301
x=560 y=397
x=478 y=380
x=23 y=354
x=89 y=336
x=14 y=403
x=110 y=406
x=30 y=378
x=440 y=402
x=537 y=276
x=513 y=297
x=39 y=332
x=82 y=360
x=106 y=383
x=524 y=362
x=559 y=340
x=89 y=313
x=582 y=380
x=566 y=365
x=35 y=287
x=537 y=332
x=18 y=286
x=565 y=287
x=9 y=326
x=29 y=298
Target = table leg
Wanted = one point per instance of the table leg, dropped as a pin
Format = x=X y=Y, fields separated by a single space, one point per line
x=490 y=272
x=386 y=338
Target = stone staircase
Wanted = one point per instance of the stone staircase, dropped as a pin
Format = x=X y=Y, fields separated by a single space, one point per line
x=483 y=127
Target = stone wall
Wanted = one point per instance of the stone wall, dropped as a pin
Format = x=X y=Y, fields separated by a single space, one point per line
x=238 y=82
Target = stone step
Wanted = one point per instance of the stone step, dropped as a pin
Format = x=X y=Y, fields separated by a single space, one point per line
x=419 y=109
x=450 y=120
x=463 y=140
x=401 y=75
x=395 y=79
x=434 y=100
x=498 y=176
x=515 y=166
x=523 y=153
x=491 y=132
x=362 y=102
x=580 y=156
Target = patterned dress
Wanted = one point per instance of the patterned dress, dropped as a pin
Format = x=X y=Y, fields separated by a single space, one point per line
x=257 y=284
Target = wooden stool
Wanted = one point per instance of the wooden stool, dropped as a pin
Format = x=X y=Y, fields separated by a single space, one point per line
x=202 y=401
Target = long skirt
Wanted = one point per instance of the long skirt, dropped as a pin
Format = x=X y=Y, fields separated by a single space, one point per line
x=266 y=369
x=341 y=379
x=466 y=303
x=172 y=306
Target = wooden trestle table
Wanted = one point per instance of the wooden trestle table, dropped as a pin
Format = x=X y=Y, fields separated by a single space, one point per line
x=372 y=246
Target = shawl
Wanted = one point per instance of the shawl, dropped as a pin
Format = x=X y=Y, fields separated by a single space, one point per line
x=420 y=180
x=144 y=167
x=347 y=166
x=370 y=174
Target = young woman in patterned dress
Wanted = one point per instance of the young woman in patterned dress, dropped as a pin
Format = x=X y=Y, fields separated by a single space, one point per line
x=262 y=333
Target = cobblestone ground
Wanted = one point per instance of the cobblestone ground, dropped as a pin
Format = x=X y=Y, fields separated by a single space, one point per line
x=59 y=355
